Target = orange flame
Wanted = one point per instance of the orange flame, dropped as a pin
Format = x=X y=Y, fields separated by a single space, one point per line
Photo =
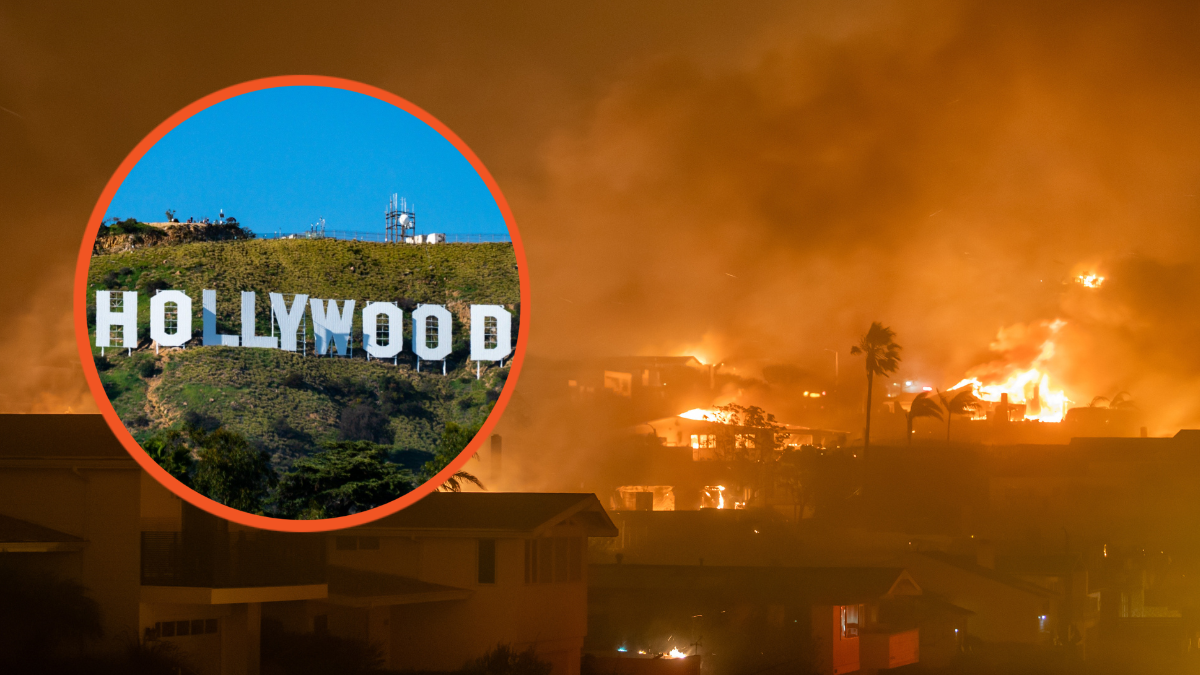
x=701 y=415
x=1029 y=385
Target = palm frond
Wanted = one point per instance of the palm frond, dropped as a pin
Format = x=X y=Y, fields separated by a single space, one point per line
x=455 y=482
x=879 y=347
x=1122 y=401
x=924 y=406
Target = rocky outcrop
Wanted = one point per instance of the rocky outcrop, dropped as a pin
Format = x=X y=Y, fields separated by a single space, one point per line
x=160 y=234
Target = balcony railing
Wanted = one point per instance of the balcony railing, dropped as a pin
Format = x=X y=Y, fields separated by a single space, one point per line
x=232 y=559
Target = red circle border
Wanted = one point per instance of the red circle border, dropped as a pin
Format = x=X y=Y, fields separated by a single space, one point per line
x=93 y=376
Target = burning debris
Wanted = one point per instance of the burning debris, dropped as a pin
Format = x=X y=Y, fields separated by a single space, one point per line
x=1019 y=375
x=712 y=497
x=644 y=498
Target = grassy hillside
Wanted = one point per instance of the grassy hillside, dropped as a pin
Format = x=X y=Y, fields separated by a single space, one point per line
x=288 y=403
x=324 y=268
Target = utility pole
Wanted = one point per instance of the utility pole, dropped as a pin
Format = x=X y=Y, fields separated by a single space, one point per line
x=835 y=368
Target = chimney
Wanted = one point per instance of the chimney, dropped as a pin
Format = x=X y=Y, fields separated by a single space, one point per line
x=496 y=456
x=985 y=554
x=1145 y=432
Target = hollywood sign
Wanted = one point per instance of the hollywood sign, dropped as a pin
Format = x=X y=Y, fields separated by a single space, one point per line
x=431 y=335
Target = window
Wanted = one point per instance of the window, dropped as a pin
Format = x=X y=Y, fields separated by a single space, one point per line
x=321 y=624
x=851 y=615
x=431 y=332
x=487 y=561
x=701 y=444
x=554 y=559
x=368 y=543
x=346 y=543
x=190 y=627
x=491 y=334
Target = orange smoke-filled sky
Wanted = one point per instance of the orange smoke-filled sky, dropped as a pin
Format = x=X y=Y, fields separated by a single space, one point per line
x=754 y=182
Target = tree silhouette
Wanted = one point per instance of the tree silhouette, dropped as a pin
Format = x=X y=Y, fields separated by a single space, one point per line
x=752 y=443
x=341 y=478
x=921 y=406
x=960 y=404
x=1122 y=401
x=229 y=470
x=882 y=354
x=455 y=439
x=42 y=615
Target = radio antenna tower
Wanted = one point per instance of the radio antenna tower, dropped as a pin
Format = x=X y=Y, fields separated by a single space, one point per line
x=400 y=221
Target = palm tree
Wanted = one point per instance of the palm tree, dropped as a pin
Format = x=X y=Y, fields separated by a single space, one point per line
x=962 y=403
x=1122 y=401
x=921 y=406
x=882 y=354
x=455 y=483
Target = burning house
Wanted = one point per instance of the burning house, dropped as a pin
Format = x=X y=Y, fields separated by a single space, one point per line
x=709 y=459
x=644 y=383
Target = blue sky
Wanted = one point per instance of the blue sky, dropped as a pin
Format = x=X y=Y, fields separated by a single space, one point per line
x=281 y=158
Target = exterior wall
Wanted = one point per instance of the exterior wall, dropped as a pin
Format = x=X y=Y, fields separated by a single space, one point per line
x=552 y=617
x=941 y=639
x=241 y=640
x=203 y=651
x=161 y=510
x=99 y=505
x=833 y=654
x=882 y=651
x=396 y=555
x=1002 y=613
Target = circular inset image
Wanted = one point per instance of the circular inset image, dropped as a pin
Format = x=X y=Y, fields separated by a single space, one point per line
x=299 y=304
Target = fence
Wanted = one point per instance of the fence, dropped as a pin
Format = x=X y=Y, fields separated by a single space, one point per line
x=378 y=237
